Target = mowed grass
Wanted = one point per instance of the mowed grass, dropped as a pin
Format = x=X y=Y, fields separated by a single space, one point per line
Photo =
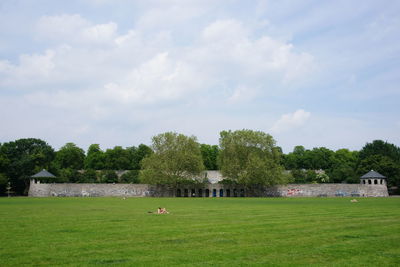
x=200 y=231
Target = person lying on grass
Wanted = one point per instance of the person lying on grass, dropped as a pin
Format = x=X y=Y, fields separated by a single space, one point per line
x=162 y=211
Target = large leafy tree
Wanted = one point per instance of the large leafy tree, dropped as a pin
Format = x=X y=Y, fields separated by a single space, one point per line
x=137 y=154
x=379 y=147
x=250 y=158
x=95 y=158
x=117 y=159
x=210 y=156
x=70 y=156
x=343 y=166
x=382 y=157
x=176 y=159
x=23 y=158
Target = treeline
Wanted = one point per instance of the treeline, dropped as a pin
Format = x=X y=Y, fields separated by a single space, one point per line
x=344 y=165
x=22 y=158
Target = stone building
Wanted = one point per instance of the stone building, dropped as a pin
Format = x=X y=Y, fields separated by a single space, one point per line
x=373 y=177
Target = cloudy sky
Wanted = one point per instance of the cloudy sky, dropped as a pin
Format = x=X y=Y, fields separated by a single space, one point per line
x=116 y=72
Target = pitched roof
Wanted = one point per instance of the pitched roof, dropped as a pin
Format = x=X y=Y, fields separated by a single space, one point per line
x=372 y=174
x=43 y=174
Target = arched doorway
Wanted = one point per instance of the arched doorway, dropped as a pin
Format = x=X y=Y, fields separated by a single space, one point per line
x=214 y=194
x=228 y=192
x=221 y=192
x=200 y=193
x=178 y=193
x=207 y=192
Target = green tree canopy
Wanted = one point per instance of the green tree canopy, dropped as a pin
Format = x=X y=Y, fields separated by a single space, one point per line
x=382 y=157
x=70 y=156
x=95 y=158
x=117 y=159
x=210 y=156
x=23 y=158
x=137 y=154
x=250 y=157
x=176 y=159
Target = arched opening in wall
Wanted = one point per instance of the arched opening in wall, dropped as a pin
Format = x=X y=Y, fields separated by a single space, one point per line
x=369 y=182
x=235 y=193
x=375 y=181
x=178 y=193
x=241 y=192
x=214 y=192
x=207 y=192
x=221 y=192
x=200 y=193
x=193 y=193
x=363 y=181
x=381 y=181
x=228 y=192
x=186 y=193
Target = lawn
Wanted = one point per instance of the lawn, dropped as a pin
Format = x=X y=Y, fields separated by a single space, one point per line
x=200 y=231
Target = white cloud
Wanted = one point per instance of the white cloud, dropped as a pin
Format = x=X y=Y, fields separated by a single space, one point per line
x=291 y=121
x=30 y=69
x=93 y=73
x=242 y=94
x=75 y=29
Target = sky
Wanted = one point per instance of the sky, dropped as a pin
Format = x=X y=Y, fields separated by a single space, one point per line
x=117 y=72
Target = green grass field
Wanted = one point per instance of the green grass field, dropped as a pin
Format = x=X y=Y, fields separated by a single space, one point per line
x=223 y=232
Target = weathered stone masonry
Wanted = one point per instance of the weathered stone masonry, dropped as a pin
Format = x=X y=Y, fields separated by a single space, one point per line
x=209 y=190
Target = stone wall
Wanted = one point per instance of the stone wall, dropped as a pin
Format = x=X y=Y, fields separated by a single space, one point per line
x=98 y=190
x=328 y=190
x=210 y=190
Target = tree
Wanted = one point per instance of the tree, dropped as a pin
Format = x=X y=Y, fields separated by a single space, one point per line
x=23 y=158
x=3 y=183
x=95 y=158
x=379 y=147
x=109 y=176
x=131 y=177
x=116 y=159
x=68 y=175
x=176 y=159
x=343 y=166
x=209 y=154
x=250 y=158
x=382 y=157
x=137 y=154
x=382 y=164
x=89 y=176
x=70 y=156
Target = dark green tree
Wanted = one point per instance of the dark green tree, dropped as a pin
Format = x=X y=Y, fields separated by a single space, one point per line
x=95 y=158
x=379 y=147
x=137 y=154
x=69 y=175
x=382 y=157
x=130 y=177
x=89 y=176
x=22 y=159
x=209 y=154
x=117 y=159
x=343 y=167
x=70 y=156
x=109 y=176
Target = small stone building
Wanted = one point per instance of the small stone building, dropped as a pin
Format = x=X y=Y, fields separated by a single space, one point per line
x=373 y=177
